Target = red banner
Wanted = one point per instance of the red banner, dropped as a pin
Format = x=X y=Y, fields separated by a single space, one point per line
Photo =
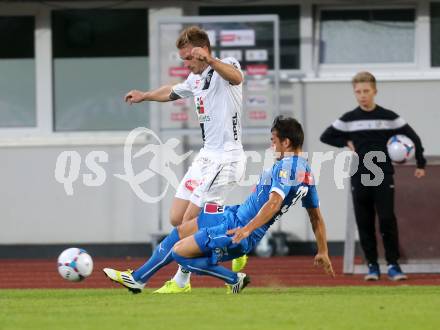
x=257 y=115
x=257 y=70
x=178 y=71
x=179 y=116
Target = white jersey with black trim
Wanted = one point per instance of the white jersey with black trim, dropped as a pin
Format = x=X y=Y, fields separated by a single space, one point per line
x=218 y=108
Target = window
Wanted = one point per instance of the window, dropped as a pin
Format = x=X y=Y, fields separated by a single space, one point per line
x=99 y=55
x=289 y=27
x=17 y=72
x=367 y=36
x=435 y=34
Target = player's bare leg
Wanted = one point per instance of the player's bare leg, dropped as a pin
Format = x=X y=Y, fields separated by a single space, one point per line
x=191 y=212
x=178 y=210
x=188 y=228
x=188 y=247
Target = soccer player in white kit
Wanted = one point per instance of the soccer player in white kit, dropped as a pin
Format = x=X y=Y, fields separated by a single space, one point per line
x=216 y=86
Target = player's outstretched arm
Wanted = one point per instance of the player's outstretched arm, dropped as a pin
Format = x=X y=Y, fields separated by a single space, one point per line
x=162 y=94
x=227 y=71
x=321 y=259
x=266 y=213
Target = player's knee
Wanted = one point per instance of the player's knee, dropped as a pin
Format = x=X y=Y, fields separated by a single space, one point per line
x=186 y=217
x=176 y=253
x=192 y=211
x=180 y=249
x=175 y=256
x=175 y=219
x=176 y=247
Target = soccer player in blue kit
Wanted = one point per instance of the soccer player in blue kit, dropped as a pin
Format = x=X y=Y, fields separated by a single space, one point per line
x=202 y=243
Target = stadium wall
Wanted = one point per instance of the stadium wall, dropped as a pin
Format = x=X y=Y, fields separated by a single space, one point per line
x=36 y=210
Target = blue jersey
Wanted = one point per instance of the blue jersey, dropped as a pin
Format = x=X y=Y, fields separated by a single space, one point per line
x=291 y=178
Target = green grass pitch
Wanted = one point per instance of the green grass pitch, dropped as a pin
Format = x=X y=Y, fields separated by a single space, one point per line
x=385 y=308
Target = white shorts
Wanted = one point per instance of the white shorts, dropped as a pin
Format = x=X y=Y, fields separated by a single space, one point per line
x=209 y=180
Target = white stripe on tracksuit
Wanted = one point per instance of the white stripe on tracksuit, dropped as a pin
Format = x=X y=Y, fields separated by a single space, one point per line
x=158 y=264
x=212 y=273
x=374 y=124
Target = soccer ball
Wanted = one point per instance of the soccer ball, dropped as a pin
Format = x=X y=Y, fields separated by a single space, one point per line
x=75 y=264
x=400 y=148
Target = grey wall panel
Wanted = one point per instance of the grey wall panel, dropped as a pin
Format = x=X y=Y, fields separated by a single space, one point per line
x=36 y=209
x=417 y=103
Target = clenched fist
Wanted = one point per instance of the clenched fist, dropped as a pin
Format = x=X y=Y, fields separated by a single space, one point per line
x=134 y=96
x=201 y=54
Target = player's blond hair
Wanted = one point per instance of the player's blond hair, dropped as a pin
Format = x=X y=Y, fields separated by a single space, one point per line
x=364 y=77
x=194 y=36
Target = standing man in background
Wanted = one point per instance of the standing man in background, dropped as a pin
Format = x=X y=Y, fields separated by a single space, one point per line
x=364 y=129
x=216 y=86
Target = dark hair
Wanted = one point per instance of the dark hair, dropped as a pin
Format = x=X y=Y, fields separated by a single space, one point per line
x=288 y=128
x=193 y=36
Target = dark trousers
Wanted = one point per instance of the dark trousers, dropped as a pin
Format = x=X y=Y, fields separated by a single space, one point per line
x=368 y=201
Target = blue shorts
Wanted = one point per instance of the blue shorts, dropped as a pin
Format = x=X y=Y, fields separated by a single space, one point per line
x=213 y=240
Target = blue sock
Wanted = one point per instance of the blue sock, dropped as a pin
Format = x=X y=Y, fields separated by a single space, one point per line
x=203 y=266
x=161 y=257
